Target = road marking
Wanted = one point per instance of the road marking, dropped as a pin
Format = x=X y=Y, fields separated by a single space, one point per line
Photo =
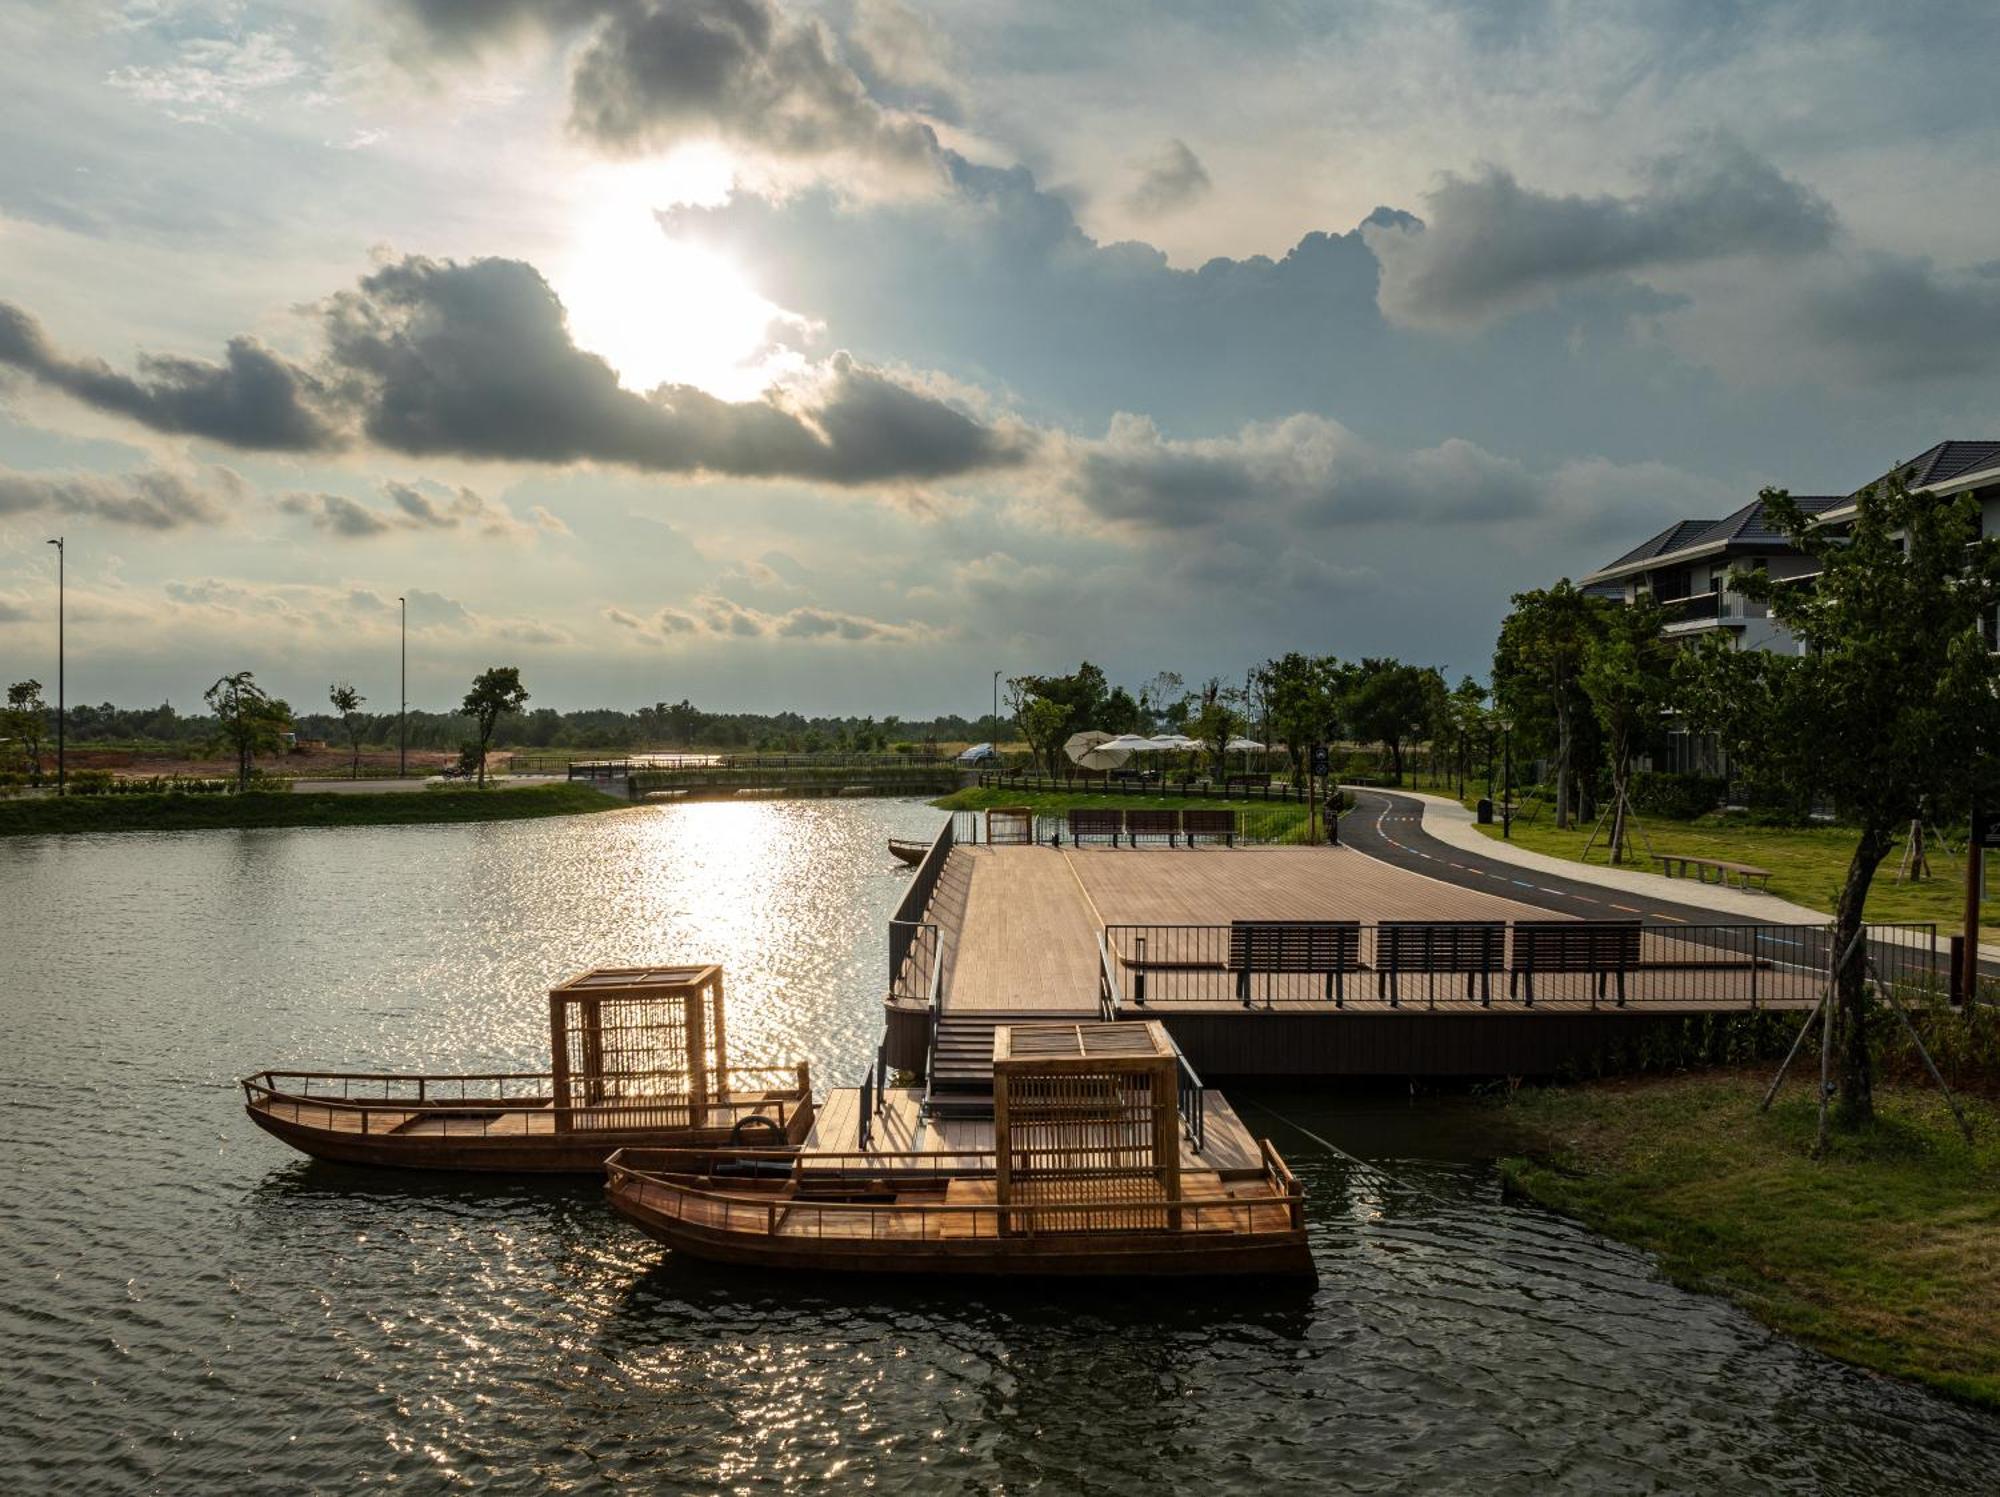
x=1628 y=908
x=1663 y=915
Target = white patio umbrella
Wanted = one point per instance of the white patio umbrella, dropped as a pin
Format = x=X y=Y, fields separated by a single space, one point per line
x=1113 y=752
x=1080 y=744
x=1245 y=746
x=1170 y=742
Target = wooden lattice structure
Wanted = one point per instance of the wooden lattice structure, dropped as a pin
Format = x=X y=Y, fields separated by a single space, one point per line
x=1085 y=1117
x=1010 y=825
x=626 y=1040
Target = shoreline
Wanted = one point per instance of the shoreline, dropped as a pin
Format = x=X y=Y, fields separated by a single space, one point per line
x=1879 y=1255
x=49 y=816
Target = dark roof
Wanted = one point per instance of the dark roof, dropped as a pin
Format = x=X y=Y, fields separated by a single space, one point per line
x=1948 y=460
x=1672 y=538
x=1748 y=527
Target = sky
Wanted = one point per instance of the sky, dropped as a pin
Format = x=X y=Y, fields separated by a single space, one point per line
x=832 y=357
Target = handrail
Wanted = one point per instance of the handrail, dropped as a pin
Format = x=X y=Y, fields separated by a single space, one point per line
x=1192 y=1098
x=1108 y=992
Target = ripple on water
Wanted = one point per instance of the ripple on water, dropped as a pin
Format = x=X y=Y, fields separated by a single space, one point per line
x=188 y=1307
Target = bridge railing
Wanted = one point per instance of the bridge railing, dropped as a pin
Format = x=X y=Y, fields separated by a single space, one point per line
x=1524 y=964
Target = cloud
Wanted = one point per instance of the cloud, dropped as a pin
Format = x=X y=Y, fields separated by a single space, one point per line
x=213 y=77
x=421 y=506
x=1900 y=317
x=437 y=357
x=1491 y=246
x=713 y=616
x=254 y=399
x=1169 y=181
x=1302 y=470
x=155 y=499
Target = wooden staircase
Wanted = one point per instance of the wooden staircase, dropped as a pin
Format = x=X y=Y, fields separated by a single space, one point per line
x=961 y=1082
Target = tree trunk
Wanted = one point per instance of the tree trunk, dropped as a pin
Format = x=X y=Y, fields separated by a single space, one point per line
x=1395 y=747
x=1562 y=765
x=1856 y=1071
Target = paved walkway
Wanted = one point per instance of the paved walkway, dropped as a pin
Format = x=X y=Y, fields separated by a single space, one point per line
x=1435 y=835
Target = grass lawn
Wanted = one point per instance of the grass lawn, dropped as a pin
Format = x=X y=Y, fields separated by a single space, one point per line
x=1808 y=865
x=1275 y=821
x=156 y=813
x=1882 y=1254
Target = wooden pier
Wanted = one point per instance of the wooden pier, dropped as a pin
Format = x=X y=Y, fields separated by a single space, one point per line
x=1040 y=932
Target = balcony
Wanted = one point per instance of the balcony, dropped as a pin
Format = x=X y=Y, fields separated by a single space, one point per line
x=1707 y=610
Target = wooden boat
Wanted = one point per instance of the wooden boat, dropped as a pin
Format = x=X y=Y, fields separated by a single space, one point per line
x=909 y=852
x=640 y=1061
x=1087 y=1182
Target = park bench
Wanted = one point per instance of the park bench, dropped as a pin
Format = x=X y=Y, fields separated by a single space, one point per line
x=1676 y=865
x=1209 y=824
x=1325 y=948
x=1084 y=822
x=1249 y=781
x=1478 y=948
x=1153 y=824
x=1607 y=948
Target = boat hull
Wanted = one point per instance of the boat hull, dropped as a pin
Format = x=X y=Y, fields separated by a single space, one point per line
x=1049 y=1256
x=580 y=1152
x=912 y=853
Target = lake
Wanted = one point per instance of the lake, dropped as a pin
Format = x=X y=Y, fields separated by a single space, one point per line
x=190 y=1307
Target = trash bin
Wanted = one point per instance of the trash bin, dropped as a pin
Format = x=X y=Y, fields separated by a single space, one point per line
x=1486 y=810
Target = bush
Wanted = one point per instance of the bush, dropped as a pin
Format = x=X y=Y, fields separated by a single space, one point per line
x=1678 y=797
x=91 y=782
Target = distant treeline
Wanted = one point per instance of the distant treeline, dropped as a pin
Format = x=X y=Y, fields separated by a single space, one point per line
x=663 y=725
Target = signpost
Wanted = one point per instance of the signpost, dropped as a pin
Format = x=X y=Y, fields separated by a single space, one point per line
x=1316 y=772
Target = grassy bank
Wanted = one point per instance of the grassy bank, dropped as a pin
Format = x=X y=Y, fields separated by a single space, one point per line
x=1275 y=821
x=158 y=813
x=1808 y=864
x=1882 y=1254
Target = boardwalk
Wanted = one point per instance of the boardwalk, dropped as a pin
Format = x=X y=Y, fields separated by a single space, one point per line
x=1021 y=923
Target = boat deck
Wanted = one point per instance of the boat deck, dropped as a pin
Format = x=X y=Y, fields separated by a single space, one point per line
x=1228 y=1149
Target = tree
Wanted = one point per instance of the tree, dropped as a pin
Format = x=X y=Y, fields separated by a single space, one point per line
x=1469 y=726
x=1536 y=669
x=248 y=720
x=26 y=721
x=1301 y=703
x=1081 y=697
x=1891 y=704
x=347 y=702
x=1628 y=677
x=494 y=692
x=1388 y=702
x=1215 y=722
x=1044 y=725
x=1163 y=702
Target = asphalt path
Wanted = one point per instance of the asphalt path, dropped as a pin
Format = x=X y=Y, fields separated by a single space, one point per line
x=1389 y=826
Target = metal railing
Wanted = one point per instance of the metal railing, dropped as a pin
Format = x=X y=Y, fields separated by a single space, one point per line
x=1709 y=966
x=1224 y=787
x=1255 y=826
x=1193 y=1118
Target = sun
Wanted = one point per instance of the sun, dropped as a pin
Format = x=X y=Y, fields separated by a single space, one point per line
x=657 y=310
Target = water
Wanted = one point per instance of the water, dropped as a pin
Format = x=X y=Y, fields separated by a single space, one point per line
x=189 y=1307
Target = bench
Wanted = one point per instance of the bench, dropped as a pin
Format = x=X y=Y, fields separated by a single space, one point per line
x=1153 y=824
x=1608 y=948
x=1209 y=824
x=1478 y=948
x=1249 y=781
x=1094 y=823
x=1676 y=865
x=1329 y=948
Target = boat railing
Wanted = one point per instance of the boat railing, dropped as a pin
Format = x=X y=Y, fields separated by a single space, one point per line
x=713 y=1206
x=1191 y=1094
x=479 y=1103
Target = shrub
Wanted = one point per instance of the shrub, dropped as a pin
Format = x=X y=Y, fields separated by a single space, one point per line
x=91 y=782
x=1678 y=797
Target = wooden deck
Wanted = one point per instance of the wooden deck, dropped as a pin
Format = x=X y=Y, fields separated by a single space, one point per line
x=1228 y=1147
x=1020 y=924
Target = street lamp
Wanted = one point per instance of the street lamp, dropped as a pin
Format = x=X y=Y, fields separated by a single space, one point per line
x=403 y=709
x=996 y=714
x=1507 y=778
x=62 y=715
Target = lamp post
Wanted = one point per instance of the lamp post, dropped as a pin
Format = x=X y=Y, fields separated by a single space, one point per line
x=403 y=707
x=996 y=714
x=1507 y=778
x=62 y=714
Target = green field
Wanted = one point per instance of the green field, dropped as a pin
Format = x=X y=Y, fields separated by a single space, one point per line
x=158 y=813
x=1881 y=1254
x=1808 y=865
